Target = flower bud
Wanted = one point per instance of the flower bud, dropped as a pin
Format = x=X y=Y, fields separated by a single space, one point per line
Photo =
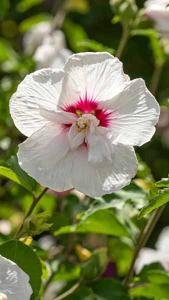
x=127 y=9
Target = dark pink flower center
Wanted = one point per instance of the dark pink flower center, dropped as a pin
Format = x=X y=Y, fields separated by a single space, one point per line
x=87 y=106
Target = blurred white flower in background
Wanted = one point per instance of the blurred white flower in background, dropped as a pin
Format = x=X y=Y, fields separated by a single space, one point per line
x=5 y=227
x=46 y=242
x=47 y=46
x=14 y=282
x=82 y=123
x=160 y=254
x=52 y=52
x=35 y=36
x=158 y=11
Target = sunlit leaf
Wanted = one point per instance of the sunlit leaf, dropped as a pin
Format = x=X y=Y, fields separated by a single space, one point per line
x=75 y=34
x=81 y=6
x=163 y=183
x=102 y=221
x=152 y=283
x=24 y=5
x=157 y=201
x=28 y=23
x=94 y=46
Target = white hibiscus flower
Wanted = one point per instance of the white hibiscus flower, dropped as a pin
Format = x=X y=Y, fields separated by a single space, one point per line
x=82 y=124
x=52 y=52
x=158 y=10
x=49 y=47
x=14 y=282
x=159 y=254
x=35 y=36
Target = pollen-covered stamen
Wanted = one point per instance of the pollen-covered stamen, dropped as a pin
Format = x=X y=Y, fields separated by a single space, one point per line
x=81 y=123
x=87 y=121
x=79 y=132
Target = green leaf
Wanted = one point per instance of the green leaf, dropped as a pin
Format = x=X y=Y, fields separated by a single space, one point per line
x=103 y=221
x=163 y=183
x=6 y=51
x=67 y=272
x=116 y=19
x=80 y=6
x=24 y=5
x=7 y=172
x=27 y=260
x=160 y=199
x=12 y=171
x=84 y=292
x=75 y=34
x=153 y=283
x=108 y=289
x=151 y=291
x=92 y=45
x=27 y=24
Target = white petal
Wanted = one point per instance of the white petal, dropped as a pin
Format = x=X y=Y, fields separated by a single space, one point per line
x=146 y=256
x=41 y=88
x=14 y=282
x=99 y=76
x=44 y=157
x=99 y=179
x=60 y=117
x=75 y=138
x=99 y=147
x=135 y=112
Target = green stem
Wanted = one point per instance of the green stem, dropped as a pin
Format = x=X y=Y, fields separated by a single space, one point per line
x=123 y=41
x=59 y=17
x=143 y=238
x=31 y=209
x=156 y=79
x=69 y=292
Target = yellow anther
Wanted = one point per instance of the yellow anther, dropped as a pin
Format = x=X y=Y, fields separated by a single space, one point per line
x=79 y=113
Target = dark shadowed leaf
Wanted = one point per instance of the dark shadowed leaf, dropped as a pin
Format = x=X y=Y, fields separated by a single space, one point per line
x=27 y=260
x=13 y=171
x=108 y=289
